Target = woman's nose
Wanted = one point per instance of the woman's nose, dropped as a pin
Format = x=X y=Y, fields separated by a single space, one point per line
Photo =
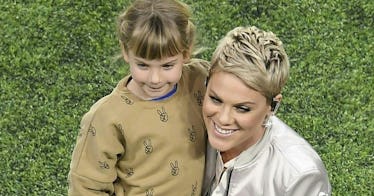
x=225 y=117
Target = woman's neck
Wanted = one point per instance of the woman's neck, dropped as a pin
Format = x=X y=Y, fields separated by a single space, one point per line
x=227 y=156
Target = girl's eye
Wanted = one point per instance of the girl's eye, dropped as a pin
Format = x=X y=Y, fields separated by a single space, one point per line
x=242 y=109
x=141 y=65
x=215 y=99
x=167 y=67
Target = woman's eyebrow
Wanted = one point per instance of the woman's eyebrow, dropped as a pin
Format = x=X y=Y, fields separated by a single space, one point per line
x=213 y=93
x=246 y=103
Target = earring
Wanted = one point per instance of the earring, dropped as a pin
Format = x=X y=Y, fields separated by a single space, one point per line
x=267 y=123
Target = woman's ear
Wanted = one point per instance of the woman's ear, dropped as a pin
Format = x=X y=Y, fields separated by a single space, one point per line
x=275 y=103
x=278 y=98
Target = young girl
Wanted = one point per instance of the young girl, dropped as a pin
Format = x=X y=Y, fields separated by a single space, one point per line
x=147 y=137
x=257 y=153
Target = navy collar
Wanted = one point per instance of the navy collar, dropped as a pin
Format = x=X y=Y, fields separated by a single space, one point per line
x=169 y=94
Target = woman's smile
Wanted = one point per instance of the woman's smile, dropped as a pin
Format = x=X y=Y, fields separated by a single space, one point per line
x=223 y=132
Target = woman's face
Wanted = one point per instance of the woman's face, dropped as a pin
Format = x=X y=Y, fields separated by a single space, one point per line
x=234 y=114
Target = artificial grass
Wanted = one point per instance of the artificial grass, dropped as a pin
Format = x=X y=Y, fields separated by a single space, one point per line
x=58 y=57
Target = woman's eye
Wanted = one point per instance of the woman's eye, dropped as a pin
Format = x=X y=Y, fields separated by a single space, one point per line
x=242 y=109
x=215 y=99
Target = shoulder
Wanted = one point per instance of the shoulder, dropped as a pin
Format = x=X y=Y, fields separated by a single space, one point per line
x=293 y=148
x=299 y=161
x=98 y=106
x=197 y=66
x=104 y=107
x=314 y=182
x=194 y=76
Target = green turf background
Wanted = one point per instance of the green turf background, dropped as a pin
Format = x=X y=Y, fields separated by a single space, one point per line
x=57 y=59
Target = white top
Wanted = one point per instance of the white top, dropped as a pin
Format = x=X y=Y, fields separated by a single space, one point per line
x=280 y=163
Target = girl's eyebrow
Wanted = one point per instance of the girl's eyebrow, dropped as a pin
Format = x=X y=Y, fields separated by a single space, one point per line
x=137 y=60
x=171 y=62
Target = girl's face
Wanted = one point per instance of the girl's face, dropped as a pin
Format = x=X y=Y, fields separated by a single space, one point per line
x=153 y=78
x=234 y=114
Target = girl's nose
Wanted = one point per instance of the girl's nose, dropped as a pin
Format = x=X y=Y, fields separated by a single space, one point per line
x=155 y=77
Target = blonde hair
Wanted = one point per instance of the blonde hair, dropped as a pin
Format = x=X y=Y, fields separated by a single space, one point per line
x=256 y=57
x=155 y=29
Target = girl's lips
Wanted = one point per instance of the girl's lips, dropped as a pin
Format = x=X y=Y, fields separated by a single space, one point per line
x=155 y=88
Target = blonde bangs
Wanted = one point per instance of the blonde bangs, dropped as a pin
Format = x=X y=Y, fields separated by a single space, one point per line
x=152 y=40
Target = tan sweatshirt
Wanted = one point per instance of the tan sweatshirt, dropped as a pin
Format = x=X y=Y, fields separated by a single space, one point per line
x=128 y=146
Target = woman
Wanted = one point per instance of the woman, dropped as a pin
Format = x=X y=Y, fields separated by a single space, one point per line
x=256 y=153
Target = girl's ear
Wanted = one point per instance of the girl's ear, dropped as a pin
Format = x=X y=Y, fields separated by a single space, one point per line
x=187 y=55
x=186 y=59
x=124 y=52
